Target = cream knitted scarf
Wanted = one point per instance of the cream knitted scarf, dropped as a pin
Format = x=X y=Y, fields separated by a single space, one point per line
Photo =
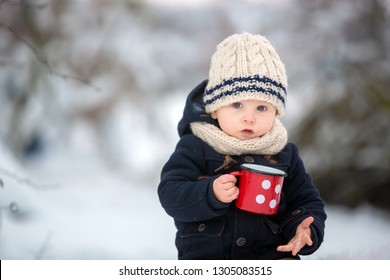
x=269 y=144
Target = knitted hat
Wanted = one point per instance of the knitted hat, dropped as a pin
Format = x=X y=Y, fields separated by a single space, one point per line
x=244 y=67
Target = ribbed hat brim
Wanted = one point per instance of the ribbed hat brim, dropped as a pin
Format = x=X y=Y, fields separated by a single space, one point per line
x=245 y=88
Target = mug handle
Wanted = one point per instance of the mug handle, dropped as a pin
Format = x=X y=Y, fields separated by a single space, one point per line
x=235 y=173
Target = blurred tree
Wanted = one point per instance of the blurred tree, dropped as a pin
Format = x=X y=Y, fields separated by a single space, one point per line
x=346 y=134
x=43 y=43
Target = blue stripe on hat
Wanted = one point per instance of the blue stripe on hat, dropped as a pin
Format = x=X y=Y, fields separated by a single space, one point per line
x=252 y=88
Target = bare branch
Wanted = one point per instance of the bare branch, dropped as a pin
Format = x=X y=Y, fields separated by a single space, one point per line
x=37 y=54
x=24 y=181
x=45 y=244
x=46 y=63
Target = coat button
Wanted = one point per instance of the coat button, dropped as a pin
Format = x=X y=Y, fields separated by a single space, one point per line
x=249 y=159
x=201 y=227
x=241 y=241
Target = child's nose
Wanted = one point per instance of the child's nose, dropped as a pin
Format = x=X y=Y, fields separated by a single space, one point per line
x=249 y=118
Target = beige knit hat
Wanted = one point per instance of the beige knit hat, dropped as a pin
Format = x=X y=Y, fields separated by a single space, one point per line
x=245 y=66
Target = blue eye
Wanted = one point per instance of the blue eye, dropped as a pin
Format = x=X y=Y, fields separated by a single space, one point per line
x=237 y=105
x=262 y=108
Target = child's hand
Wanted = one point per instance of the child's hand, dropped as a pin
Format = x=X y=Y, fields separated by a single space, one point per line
x=301 y=238
x=225 y=189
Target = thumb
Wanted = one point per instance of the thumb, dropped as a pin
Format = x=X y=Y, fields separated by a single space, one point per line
x=307 y=222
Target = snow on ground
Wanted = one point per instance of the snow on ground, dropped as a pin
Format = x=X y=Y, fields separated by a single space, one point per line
x=90 y=214
x=355 y=234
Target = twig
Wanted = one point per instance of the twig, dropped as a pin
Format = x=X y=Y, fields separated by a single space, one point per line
x=46 y=63
x=24 y=181
x=45 y=244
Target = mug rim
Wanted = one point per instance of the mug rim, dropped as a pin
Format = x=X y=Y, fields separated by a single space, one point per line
x=262 y=169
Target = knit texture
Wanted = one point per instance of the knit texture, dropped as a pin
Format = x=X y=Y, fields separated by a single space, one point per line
x=244 y=67
x=269 y=144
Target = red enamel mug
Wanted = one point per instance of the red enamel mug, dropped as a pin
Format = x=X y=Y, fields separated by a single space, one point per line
x=260 y=188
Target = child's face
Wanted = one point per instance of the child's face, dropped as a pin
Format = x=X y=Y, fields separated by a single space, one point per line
x=246 y=119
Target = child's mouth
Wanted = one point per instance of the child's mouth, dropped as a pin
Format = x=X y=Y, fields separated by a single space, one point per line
x=247 y=131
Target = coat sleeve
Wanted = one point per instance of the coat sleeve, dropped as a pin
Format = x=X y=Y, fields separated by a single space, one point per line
x=182 y=193
x=303 y=200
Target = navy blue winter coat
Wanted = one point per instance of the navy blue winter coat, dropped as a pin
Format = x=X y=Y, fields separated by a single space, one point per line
x=210 y=229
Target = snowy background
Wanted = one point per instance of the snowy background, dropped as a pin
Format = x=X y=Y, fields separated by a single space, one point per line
x=89 y=104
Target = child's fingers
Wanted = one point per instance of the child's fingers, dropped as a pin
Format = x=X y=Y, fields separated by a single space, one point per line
x=285 y=248
x=228 y=178
x=307 y=222
x=232 y=191
x=293 y=248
